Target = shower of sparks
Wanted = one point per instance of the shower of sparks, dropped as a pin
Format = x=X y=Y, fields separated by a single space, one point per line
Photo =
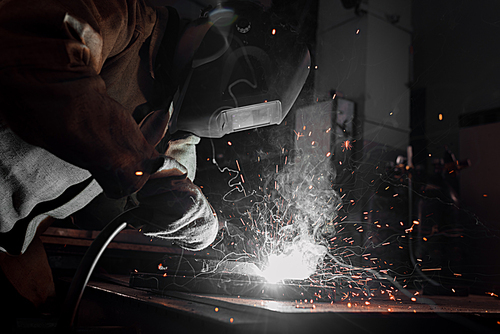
x=286 y=231
x=293 y=231
x=296 y=226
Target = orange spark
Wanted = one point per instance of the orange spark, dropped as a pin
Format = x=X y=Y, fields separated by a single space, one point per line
x=346 y=145
x=298 y=134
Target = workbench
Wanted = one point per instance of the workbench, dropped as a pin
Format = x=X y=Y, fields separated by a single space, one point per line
x=112 y=302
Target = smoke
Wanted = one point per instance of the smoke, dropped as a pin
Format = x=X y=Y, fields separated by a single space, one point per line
x=293 y=220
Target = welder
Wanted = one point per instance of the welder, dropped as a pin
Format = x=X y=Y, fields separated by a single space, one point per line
x=102 y=104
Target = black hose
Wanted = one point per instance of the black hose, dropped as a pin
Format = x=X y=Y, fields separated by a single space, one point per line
x=85 y=269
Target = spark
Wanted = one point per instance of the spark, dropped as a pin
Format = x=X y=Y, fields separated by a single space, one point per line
x=430 y=269
x=139 y=173
x=298 y=134
x=346 y=145
x=415 y=222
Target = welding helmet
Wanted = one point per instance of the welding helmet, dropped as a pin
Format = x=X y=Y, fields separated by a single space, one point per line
x=240 y=67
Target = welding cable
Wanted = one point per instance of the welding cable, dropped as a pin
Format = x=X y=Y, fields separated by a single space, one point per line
x=85 y=269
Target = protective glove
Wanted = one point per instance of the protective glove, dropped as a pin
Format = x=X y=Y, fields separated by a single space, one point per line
x=170 y=205
x=174 y=208
x=183 y=149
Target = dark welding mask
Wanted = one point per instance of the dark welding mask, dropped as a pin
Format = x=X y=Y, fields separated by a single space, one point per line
x=240 y=68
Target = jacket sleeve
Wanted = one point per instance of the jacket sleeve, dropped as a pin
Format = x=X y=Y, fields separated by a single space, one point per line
x=51 y=93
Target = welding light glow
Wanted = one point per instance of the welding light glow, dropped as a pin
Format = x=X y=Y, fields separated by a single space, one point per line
x=299 y=264
x=282 y=267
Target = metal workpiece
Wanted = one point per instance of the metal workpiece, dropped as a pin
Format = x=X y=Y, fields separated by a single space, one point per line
x=235 y=285
x=184 y=312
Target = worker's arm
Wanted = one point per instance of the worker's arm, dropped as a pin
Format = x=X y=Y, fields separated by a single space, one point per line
x=53 y=97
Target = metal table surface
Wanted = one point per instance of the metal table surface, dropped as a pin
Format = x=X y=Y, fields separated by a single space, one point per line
x=113 y=302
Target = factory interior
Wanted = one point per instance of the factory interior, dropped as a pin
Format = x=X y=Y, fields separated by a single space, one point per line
x=381 y=180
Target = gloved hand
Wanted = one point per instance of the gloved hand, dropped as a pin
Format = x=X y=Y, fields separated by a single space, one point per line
x=174 y=208
x=170 y=205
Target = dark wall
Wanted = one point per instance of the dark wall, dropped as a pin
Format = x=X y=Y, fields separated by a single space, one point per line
x=456 y=54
